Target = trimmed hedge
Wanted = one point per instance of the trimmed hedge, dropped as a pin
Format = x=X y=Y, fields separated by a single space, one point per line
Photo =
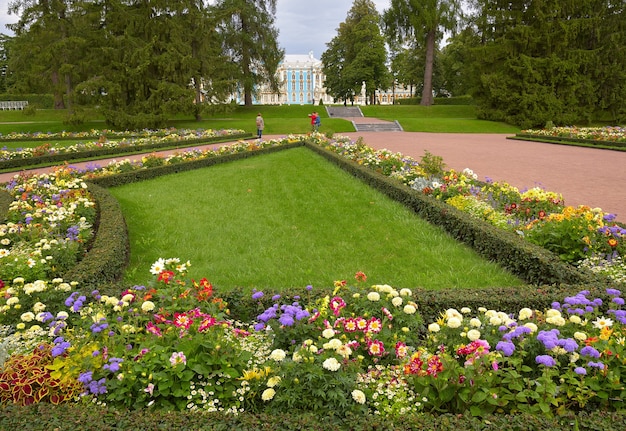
x=108 y=254
x=86 y=417
x=96 y=153
x=592 y=143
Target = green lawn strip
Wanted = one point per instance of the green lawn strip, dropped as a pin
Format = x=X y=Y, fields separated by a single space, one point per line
x=290 y=219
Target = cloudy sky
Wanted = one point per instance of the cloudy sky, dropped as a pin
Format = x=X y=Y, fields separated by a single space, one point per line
x=304 y=25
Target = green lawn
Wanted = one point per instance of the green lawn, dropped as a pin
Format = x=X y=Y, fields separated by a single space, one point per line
x=290 y=219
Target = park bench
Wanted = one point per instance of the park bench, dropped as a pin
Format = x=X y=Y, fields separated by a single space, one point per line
x=13 y=105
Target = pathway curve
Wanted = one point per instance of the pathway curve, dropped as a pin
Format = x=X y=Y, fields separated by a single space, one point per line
x=584 y=176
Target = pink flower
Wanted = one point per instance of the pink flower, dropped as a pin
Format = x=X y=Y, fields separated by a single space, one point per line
x=336 y=304
x=178 y=358
x=149 y=389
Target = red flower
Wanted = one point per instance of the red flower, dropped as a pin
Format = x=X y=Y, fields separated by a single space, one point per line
x=360 y=276
x=165 y=276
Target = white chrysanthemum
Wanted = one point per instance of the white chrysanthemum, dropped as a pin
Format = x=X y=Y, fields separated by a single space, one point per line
x=147 y=306
x=473 y=334
x=344 y=350
x=397 y=301
x=328 y=333
x=409 y=309
x=491 y=313
x=273 y=381
x=525 y=313
x=434 y=327
x=454 y=322
x=373 y=296
x=358 y=396
x=331 y=364
x=453 y=312
x=278 y=355
x=27 y=317
x=12 y=301
x=495 y=321
x=39 y=307
x=556 y=320
x=466 y=310
x=575 y=319
x=128 y=298
x=333 y=344
x=580 y=336
x=552 y=313
x=476 y=323
x=406 y=292
x=296 y=357
x=268 y=394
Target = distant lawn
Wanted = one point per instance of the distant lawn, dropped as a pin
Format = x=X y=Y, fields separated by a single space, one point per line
x=279 y=120
x=291 y=219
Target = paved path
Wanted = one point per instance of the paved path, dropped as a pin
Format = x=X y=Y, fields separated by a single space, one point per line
x=584 y=176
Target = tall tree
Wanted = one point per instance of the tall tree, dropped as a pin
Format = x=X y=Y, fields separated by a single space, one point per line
x=423 y=22
x=47 y=46
x=557 y=61
x=251 y=42
x=4 y=61
x=357 y=55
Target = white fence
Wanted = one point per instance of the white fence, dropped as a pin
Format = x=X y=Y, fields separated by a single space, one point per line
x=13 y=105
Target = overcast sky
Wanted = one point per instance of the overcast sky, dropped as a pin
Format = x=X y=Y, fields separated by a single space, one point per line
x=304 y=25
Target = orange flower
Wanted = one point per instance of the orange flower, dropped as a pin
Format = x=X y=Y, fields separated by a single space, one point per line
x=612 y=242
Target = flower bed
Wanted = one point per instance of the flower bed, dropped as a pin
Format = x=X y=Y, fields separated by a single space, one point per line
x=353 y=349
x=602 y=137
x=102 y=147
x=356 y=349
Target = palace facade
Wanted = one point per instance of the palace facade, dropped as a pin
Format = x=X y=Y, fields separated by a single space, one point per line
x=302 y=83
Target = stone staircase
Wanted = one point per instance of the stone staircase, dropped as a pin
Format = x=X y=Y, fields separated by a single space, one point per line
x=344 y=111
x=361 y=123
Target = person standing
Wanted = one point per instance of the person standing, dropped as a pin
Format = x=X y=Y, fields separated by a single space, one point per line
x=260 y=125
x=313 y=117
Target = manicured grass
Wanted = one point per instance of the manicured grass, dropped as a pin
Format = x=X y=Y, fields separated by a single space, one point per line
x=290 y=219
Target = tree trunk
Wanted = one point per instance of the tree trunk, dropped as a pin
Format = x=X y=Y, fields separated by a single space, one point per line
x=58 y=95
x=427 y=91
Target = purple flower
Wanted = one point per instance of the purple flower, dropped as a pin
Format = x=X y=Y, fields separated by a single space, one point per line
x=259 y=326
x=113 y=365
x=309 y=288
x=286 y=320
x=580 y=371
x=275 y=297
x=618 y=301
x=85 y=377
x=599 y=365
x=590 y=351
x=257 y=294
x=546 y=360
x=569 y=344
x=613 y=292
x=506 y=347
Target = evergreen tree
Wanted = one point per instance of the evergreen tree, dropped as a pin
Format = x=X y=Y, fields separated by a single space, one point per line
x=250 y=41
x=422 y=23
x=357 y=55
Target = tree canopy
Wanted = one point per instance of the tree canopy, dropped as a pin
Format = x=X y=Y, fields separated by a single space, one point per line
x=357 y=56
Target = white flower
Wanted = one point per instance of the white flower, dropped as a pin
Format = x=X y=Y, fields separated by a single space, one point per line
x=328 y=333
x=434 y=327
x=602 y=322
x=157 y=267
x=466 y=310
x=273 y=381
x=406 y=292
x=396 y=301
x=373 y=296
x=39 y=307
x=454 y=322
x=268 y=394
x=452 y=312
x=345 y=351
x=552 y=313
x=147 y=306
x=575 y=319
x=580 y=336
x=476 y=323
x=333 y=344
x=27 y=317
x=331 y=364
x=358 y=396
x=409 y=309
x=128 y=298
x=278 y=355
x=495 y=321
x=525 y=313
x=13 y=300
x=473 y=334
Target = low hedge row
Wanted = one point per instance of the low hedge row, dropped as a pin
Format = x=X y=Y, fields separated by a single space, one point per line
x=121 y=150
x=85 y=417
